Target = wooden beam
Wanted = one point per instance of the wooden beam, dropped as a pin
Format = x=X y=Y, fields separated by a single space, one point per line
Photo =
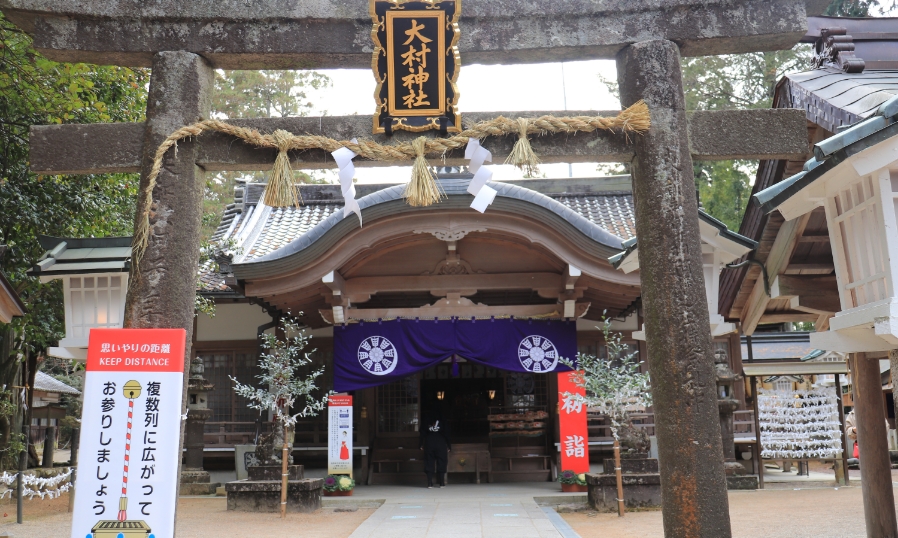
x=335 y=282
x=808 y=293
x=372 y=285
x=106 y=148
x=809 y=269
x=814 y=239
x=777 y=261
x=787 y=317
x=464 y=311
x=571 y=274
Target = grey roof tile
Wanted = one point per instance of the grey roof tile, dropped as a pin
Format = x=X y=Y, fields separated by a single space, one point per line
x=298 y=227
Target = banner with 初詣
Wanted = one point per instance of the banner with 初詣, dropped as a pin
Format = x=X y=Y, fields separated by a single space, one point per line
x=339 y=437
x=573 y=431
x=130 y=425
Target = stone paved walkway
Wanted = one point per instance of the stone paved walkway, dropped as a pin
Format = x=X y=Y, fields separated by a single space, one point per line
x=462 y=511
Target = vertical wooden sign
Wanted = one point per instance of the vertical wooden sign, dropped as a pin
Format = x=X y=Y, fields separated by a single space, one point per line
x=416 y=63
x=574 y=435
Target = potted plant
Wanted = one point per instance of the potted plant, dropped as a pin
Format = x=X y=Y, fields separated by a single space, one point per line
x=572 y=482
x=338 y=485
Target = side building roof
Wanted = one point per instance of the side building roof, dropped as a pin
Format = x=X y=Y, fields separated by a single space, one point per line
x=850 y=84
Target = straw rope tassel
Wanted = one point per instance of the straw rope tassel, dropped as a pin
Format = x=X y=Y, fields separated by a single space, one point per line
x=522 y=155
x=423 y=189
x=635 y=119
x=280 y=191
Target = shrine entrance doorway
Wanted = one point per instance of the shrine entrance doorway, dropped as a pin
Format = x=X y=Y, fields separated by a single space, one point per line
x=500 y=423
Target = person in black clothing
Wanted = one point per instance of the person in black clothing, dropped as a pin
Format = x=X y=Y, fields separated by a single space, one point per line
x=436 y=446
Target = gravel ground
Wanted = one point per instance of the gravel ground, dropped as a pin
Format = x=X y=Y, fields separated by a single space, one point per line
x=806 y=513
x=197 y=518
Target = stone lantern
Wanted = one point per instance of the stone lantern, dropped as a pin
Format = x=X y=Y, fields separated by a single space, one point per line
x=720 y=246
x=727 y=404
x=854 y=177
x=195 y=480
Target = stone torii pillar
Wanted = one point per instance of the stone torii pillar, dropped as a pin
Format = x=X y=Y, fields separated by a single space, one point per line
x=162 y=295
x=680 y=355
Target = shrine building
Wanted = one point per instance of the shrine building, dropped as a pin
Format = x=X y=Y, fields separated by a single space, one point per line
x=533 y=269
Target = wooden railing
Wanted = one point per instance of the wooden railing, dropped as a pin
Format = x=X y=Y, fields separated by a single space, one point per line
x=599 y=426
x=228 y=434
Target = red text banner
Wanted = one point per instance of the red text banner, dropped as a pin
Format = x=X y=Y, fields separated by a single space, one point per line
x=574 y=435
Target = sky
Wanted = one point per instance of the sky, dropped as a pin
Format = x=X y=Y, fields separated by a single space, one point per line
x=482 y=88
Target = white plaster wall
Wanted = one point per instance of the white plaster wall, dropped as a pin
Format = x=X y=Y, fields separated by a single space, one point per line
x=238 y=321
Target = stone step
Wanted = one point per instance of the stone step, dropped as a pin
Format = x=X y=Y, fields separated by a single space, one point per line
x=632 y=466
x=273 y=472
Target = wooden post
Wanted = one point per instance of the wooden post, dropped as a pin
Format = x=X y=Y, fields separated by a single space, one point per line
x=284 y=457
x=876 y=469
x=844 y=461
x=73 y=462
x=620 y=479
x=49 y=446
x=754 y=396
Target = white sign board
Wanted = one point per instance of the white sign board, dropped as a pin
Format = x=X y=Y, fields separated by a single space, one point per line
x=339 y=438
x=127 y=483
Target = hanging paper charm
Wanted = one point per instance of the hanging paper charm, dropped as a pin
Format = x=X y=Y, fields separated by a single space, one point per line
x=344 y=157
x=483 y=194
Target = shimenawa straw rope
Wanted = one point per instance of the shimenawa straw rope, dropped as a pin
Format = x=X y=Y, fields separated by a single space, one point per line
x=635 y=119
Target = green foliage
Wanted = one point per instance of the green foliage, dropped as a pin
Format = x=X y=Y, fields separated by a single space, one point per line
x=724 y=189
x=35 y=91
x=735 y=81
x=282 y=385
x=15 y=443
x=255 y=94
x=264 y=94
x=614 y=385
x=859 y=8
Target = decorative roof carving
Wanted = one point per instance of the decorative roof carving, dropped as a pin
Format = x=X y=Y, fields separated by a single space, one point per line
x=835 y=48
x=448 y=234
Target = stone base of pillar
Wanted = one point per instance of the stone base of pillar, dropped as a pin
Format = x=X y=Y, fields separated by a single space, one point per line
x=197 y=482
x=745 y=481
x=265 y=495
x=640 y=491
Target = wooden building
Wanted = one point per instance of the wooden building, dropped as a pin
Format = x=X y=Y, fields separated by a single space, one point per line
x=539 y=252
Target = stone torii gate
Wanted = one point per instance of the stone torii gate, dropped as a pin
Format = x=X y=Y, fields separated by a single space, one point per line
x=184 y=41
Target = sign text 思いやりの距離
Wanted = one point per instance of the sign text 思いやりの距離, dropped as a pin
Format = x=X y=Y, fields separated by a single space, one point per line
x=130 y=424
x=416 y=63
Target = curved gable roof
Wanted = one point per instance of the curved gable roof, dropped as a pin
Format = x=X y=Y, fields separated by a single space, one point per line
x=588 y=235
